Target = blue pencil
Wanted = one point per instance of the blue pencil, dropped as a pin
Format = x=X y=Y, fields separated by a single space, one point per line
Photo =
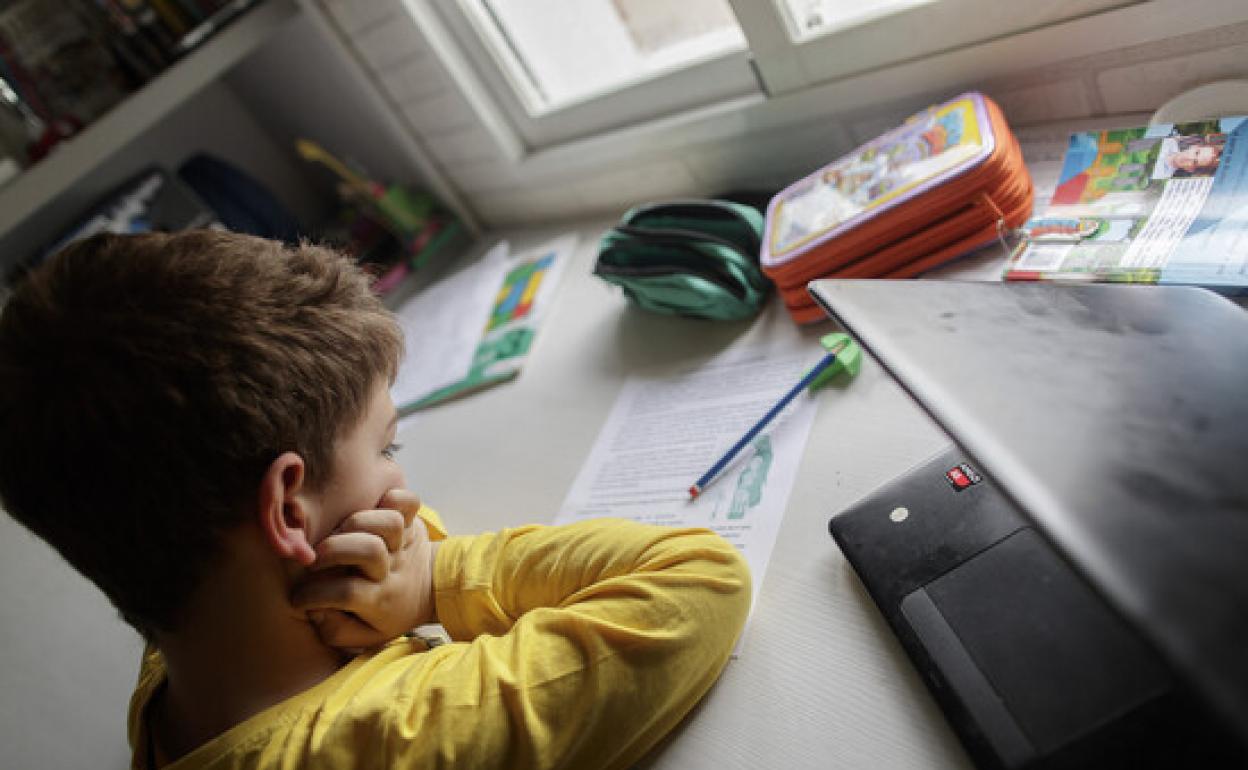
x=810 y=376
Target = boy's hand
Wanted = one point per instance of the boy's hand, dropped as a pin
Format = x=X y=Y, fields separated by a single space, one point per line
x=373 y=577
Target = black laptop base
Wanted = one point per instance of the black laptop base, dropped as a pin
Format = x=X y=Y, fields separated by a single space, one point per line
x=1030 y=666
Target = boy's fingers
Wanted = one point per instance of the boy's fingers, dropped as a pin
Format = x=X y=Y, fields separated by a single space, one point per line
x=340 y=629
x=404 y=501
x=384 y=523
x=367 y=553
x=332 y=592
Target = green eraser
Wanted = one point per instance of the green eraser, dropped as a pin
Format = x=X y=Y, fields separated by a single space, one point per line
x=848 y=359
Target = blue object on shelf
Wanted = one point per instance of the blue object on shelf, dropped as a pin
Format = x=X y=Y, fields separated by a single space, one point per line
x=240 y=202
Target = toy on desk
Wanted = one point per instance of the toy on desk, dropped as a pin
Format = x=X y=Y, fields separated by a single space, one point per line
x=388 y=227
x=403 y=210
x=844 y=357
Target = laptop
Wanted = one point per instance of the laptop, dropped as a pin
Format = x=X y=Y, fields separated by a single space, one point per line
x=1070 y=577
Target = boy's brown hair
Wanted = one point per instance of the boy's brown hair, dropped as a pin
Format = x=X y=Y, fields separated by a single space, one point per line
x=147 y=382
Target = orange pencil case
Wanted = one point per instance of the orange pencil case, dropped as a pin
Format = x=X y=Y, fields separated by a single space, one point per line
x=944 y=183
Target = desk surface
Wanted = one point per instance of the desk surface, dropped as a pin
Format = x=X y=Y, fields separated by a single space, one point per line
x=820 y=681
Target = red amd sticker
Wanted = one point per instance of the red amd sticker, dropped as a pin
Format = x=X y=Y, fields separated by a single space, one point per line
x=962 y=476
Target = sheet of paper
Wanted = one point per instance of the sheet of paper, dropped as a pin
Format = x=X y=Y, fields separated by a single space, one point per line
x=442 y=326
x=666 y=430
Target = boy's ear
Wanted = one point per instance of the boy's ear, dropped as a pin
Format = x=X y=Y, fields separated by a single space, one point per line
x=283 y=510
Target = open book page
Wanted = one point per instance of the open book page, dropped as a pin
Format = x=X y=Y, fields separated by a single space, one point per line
x=667 y=429
x=442 y=327
x=521 y=299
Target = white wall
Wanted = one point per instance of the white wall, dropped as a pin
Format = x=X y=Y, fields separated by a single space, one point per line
x=1128 y=61
x=69 y=663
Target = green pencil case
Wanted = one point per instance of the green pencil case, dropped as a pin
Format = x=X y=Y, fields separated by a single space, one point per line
x=693 y=258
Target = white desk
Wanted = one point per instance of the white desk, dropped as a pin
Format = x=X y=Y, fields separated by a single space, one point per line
x=821 y=681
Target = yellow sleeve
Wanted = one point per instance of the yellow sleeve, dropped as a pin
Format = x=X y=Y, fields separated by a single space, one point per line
x=580 y=645
x=433 y=523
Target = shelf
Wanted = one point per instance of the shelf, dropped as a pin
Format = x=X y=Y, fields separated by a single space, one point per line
x=77 y=157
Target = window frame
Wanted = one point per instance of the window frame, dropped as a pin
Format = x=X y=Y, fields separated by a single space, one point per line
x=705 y=82
x=786 y=64
x=775 y=63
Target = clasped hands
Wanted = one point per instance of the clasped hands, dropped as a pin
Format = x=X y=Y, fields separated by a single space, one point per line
x=373 y=576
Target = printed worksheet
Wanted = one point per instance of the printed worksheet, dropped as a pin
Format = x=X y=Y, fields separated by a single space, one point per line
x=666 y=430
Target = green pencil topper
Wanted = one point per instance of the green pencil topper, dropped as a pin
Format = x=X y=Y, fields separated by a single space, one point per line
x=848 y=360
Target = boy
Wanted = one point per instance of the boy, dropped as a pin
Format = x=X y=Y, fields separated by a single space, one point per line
x=200 y=423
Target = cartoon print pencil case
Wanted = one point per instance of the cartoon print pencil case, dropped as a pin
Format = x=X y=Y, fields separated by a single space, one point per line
x=690 y=257
x=946 y=182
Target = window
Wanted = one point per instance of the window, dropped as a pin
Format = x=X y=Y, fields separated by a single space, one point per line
x=811 y=18
x=801 y=43
x=559 y=70
x=599 y=46
x=563 y=69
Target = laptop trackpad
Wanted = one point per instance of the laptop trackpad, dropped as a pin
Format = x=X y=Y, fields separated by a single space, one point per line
x=1031 y=652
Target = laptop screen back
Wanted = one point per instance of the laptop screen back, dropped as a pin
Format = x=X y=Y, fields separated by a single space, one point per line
x=1116 y=418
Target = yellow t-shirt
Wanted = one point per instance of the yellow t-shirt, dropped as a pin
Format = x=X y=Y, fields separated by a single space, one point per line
x=576 y=646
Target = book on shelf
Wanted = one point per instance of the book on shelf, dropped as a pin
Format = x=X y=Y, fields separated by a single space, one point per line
x=152 y=26
x=178 y=26
x=64 y=63
x=1159 y=204
x=172 y=17
x=50 y=55
x=135 y=52
x=151 y=200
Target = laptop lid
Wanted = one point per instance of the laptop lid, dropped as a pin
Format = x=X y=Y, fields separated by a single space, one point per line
x=1116 y=418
